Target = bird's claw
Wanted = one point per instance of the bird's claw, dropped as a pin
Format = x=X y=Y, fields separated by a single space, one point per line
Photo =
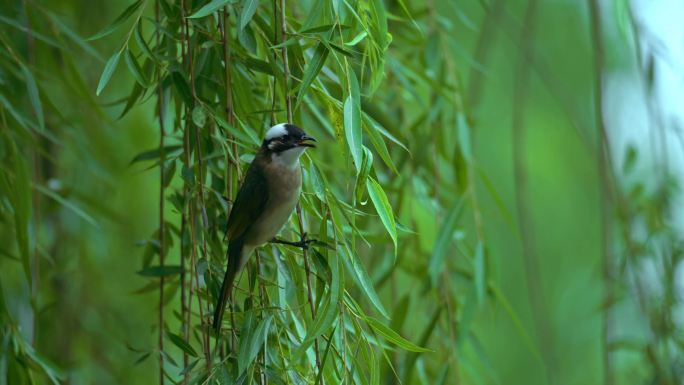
x=303 y=243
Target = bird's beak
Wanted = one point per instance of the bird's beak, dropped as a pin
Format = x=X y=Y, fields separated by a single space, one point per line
x=305 y=141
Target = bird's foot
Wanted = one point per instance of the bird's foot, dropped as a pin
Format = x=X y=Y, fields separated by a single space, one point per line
x=303 y=243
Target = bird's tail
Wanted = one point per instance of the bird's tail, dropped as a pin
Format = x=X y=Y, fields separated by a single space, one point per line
x=234 y=255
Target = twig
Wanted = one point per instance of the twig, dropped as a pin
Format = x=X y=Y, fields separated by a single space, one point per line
x=525 y=225
x=484 y=42
x=230 y=116
x=187 y=59
x=37 y=176
x=286 y=68
x=162 y=237
x=605 y=172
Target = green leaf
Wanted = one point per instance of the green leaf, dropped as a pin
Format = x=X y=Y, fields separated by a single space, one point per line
x=384 y=209
x=352 y=121
x=312 y=70
x=108 y=71
x=248 y=9
x=182 y=87
x=181 y=344
x=366 y=166
x=14 y=183
x=140 y=39
x=328 y=312
x=117 y=22
x=210 y=8
x=362 y=35
x=252 y=344
x=170 y=150
x=34 y=96
x=393 y=337
x=445 y=233
x=464 y=136
x=134 y=68
x=75 y=209
x=480 y=277
x=161 y=271
x=374 y=132
x=365 y=282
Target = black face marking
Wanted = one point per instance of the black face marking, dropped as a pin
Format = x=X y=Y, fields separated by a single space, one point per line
x=292 y=139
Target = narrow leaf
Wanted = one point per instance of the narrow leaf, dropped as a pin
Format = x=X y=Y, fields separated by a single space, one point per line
x=210 y=8
x=118 y=21
x=255 y=341
x=75 y=209
x=34 y=96
x=181 y=344
x=393 y=337
x=352 y=121
x=362 y=35
x=445 y=234
x=108 y=71
x=134 y=68
x=312 y=70
x=365 y=282
x=480 y=278
x=248 y=9
x=170 y=150
x=366 y=166
x=384 y=209
x=160 y=271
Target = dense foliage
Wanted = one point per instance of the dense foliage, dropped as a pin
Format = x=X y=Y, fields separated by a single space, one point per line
x=470 y=228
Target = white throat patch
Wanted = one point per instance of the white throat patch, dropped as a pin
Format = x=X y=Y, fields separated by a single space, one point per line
x=288 y=158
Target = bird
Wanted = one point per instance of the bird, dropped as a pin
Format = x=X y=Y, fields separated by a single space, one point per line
x=268 y=194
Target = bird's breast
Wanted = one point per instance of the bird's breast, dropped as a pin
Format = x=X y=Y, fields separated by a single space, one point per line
x=284 y=185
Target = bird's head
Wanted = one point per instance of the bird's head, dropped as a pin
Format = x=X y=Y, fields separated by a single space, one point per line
x=286 y=142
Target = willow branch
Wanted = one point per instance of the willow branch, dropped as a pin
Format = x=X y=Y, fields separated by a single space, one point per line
x=230 y=116
x=188 y=60
x=525 y=224
x=605 y=167
x=162 y=233
x=300 y=219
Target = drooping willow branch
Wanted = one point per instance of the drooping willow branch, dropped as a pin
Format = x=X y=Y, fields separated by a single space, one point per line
x=525 y=223
x=232 y=153
x=300 y=219
x=192 y=216
x=162 y=236
x=607 y=195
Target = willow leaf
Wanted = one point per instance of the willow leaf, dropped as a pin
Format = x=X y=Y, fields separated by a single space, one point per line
x=384 y=209
x=352 y=121
x=108 y=71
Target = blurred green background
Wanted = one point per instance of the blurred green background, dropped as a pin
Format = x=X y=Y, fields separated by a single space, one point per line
x=537 y=281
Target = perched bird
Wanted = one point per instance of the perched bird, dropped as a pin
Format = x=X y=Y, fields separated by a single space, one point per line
x=268 y=195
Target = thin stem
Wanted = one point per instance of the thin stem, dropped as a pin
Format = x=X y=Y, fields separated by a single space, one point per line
x=263 y=301
x=162 y=235
x=525 y=224
x=185 y=314
x=484 y=42
x=188 y=60
x=605 y=168
x=35 y=198
x=230 y=116
x=286 y=68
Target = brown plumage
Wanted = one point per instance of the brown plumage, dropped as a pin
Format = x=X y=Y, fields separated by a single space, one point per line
x=265 y=201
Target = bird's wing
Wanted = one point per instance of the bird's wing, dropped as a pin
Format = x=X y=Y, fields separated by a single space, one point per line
x=251 y=200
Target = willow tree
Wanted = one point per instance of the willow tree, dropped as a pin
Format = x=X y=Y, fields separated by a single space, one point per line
x=389 y=194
